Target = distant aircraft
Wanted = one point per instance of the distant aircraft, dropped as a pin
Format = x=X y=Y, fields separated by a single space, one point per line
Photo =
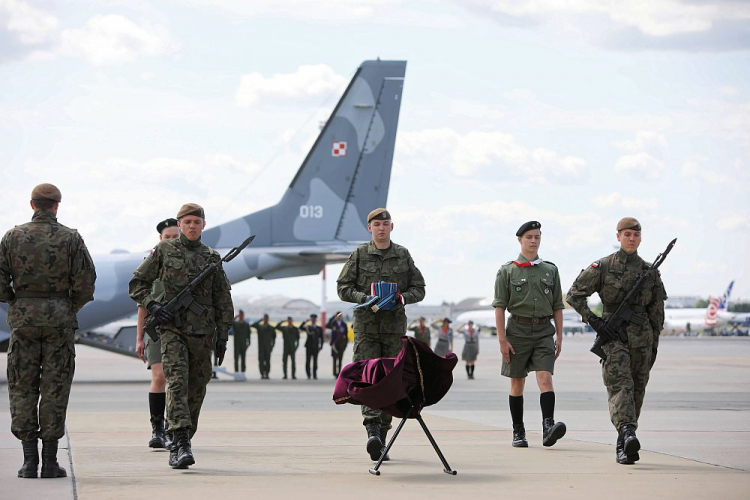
x=698 y=318
x=486 y=318
x=320 y=219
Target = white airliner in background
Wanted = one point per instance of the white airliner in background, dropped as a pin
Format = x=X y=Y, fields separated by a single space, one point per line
x=699 y=318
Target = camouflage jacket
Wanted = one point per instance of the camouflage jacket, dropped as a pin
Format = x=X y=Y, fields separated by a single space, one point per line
x=368 y=265
x=611 y=277
x=39 y=258
x=175 y=262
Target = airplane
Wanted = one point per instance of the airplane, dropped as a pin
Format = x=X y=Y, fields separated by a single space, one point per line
x=319 y=220
x=717 y=312
x=486 y=318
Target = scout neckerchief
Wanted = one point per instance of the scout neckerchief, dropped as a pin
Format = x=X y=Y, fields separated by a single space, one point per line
x=528 y=264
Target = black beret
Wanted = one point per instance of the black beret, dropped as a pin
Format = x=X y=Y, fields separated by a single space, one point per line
x=528 y=226
x=165 y=224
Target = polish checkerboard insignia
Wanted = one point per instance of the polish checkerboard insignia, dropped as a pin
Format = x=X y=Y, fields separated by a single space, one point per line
x=339 y=149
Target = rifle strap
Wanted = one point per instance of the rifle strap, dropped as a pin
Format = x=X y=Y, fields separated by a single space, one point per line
x=204 y=301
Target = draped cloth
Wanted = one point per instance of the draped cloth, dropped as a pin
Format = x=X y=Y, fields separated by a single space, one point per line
x=416 y=377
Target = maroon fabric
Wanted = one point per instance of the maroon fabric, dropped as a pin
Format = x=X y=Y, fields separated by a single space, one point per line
x=394 y=384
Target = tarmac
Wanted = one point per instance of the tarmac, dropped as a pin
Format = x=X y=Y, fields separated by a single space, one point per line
x=287 y=439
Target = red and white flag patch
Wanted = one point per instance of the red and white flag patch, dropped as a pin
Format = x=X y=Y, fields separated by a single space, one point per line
x=339 y=149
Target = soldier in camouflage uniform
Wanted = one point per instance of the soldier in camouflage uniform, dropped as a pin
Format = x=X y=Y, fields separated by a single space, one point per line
x=46 y=277
x=149 y=351
x=626 y=369
x=529 y=288
x=290 y=336
x=241 y=332
x=266 y=341
x=186 y=352
x=378 y=334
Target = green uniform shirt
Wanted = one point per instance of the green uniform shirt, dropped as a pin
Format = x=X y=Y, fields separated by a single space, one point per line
x=421 y=334
x=368 y=265
x=290 y=335
x=531 y=292
x=266 y=333
x=241 y=330
x=176 y=262
x=43 y=256
x=611 y=277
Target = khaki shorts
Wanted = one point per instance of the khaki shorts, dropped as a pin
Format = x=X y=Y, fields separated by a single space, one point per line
x=153 y=352
x=535 y=349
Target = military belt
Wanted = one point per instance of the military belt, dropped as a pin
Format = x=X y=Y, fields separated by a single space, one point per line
x=534 y=321
x=635 y=309
x=25 y=294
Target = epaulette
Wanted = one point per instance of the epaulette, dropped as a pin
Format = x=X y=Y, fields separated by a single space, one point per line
x=509 y=262
x=550 y=263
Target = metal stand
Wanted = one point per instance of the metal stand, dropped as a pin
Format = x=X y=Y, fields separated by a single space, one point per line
x=446 y=468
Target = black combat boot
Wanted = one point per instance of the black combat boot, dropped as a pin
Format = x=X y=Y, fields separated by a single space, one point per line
x=30 y=466
x=158 y=439
x=374 y=443
x=384 y=439
x=620 y=456
x=50 y=467
x=552 y=431
x=631 y=445
x=181 y=448
x=519 y=436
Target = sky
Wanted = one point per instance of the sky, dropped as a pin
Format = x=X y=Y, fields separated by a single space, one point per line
x=572 y=113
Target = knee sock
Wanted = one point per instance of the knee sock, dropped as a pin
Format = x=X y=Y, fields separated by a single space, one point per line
x=156 y=403
x=471 y=370
x=547 y=402
x=468 y=370
x=516 y=408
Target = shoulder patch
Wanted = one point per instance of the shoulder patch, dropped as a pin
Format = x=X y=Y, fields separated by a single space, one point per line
x=595 y=264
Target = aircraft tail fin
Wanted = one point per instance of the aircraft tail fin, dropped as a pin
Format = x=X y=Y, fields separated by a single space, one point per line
x=345 y=175
x=724 y=302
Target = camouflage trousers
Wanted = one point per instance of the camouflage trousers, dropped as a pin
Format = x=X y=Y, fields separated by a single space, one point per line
x=186 y=360
x=370 y=346
x=41 y=363
x=625 y=374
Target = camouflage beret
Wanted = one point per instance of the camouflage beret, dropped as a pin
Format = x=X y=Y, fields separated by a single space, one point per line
x=191 y=209
x=46 y=192
x=528 y=226
x=380 y=214
x=628 y=223
x=165 y=224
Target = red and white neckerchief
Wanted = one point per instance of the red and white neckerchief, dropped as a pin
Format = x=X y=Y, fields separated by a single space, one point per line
x=528 y=264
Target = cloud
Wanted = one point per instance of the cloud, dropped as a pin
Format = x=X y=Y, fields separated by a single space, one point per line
x=309 y=81
x=465 y=154
x=31 y=26
x=640 y=164
x=114 y=39
x=644 y=141
x=633 y=25
x=643 y=160
x=695 y=169
x=732 y=222
x=613 y=200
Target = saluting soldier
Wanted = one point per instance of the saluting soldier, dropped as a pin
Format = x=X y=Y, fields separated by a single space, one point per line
x=378 y=334
x=186 y=351
x=626 y=370
x=529 y=288
x=266 y=341
x=46 y=277
x=149 y=351
x=313 y=345
x=290 y=336
x=241 y=332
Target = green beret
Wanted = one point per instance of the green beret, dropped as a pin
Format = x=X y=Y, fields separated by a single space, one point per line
x=46 y=192
x=191 y=209
x=628 y=223
x=379 y=214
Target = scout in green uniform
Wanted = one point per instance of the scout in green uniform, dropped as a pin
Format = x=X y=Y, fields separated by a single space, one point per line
x=377 y=334
x=266 y=341
x=421 y=331
x=529 y=288
x=290 y=336
x=46 y=277
x=149 y=351
x=627 y=367
x=241 y=332
x=186 y=351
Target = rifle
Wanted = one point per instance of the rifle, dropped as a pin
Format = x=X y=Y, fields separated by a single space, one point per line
x=618 y=321
x=184 y=299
